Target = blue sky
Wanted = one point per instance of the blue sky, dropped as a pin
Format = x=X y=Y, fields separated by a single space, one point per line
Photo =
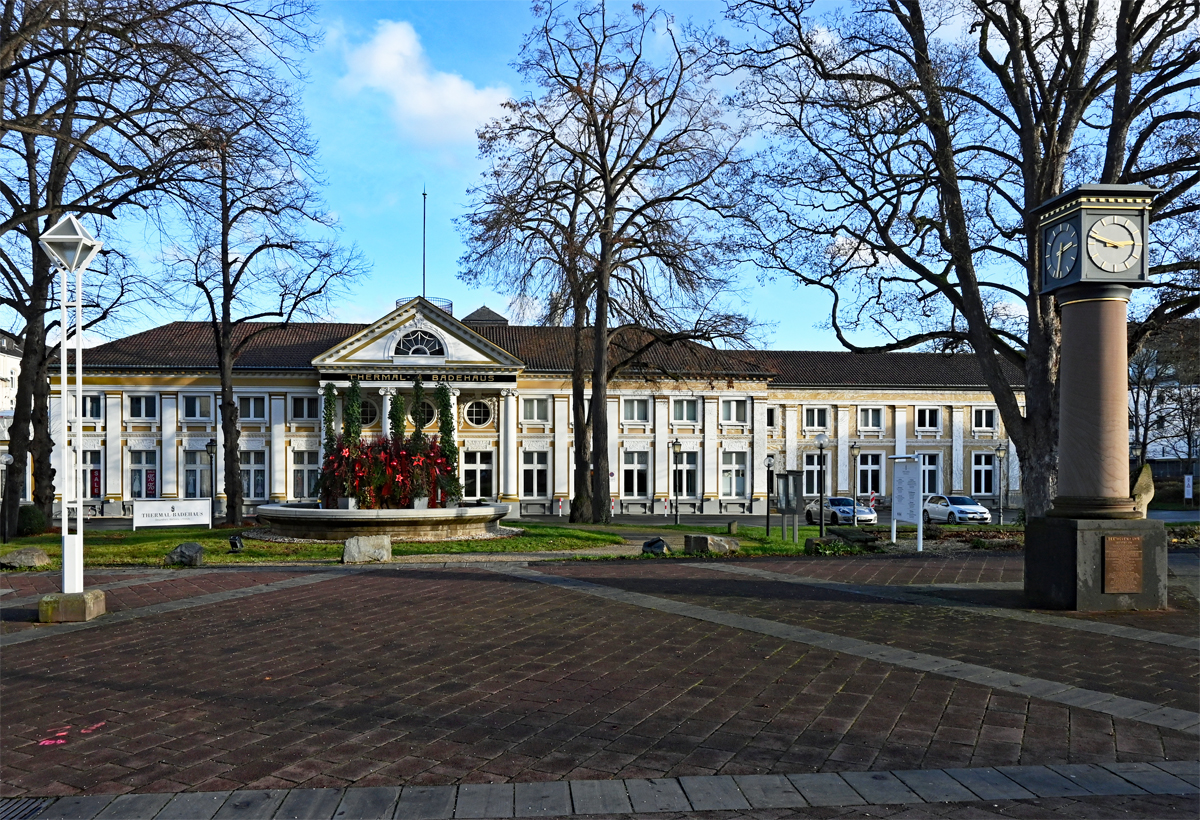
x=395 y=95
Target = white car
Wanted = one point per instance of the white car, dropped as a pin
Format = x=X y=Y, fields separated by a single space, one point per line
x=839 y=510
x=955 y=509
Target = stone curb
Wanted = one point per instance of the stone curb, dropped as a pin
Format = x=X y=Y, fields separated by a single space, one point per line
x=582 y=797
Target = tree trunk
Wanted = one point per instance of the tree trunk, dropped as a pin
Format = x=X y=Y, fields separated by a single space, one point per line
x=601 y=493
x=19 y=439
x=43 y=441
x=231 y=434
x=581 y=502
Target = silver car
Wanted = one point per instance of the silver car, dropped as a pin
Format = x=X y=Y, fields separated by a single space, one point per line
x=955 y=509
x=840 y=510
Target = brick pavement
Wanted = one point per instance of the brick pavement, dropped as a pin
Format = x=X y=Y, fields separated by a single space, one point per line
x=18 y=611
x=1158 y=674
x=440 y=676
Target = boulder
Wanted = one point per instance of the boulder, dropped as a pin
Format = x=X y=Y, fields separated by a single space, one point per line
x=656 y=546
x=24 y=558
x=188 y=554
x=367 y=549
x=709 y=545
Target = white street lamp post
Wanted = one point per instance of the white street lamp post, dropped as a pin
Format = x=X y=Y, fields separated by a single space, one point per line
x=822 y=440
x=854 y=465
x=72 y=249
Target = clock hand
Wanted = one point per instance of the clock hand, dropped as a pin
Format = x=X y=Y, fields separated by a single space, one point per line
x=1112 y=243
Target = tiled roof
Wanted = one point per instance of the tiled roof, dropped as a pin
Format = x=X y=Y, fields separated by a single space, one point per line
x=484 y=316
x=189 y=345
x=186 y=345
x=548 y=350
x=837 y=368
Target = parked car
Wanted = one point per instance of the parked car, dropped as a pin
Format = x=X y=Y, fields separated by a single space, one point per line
x=839 y=510
x=953 y=509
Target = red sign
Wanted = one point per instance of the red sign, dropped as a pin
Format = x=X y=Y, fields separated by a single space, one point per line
x=151 y=483
x=95 y=483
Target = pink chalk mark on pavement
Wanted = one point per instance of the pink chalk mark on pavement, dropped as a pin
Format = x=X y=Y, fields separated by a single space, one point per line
x=60 y=735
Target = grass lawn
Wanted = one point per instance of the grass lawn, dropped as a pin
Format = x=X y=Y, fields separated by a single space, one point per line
x=146 y=547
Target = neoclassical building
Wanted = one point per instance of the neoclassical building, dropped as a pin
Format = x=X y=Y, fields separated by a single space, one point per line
x=150 y=407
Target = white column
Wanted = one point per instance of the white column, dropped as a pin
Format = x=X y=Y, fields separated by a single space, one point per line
x=169 y=469
x=385 y=404
x=843 y=450
x=509 y=454
x=113 y=475
x=562 y=452
x=662 y=449
x=710 y=467
x=758 y=452
x=614 y=446
x=791 y=435
x=901 y=430
x=956 y=431
x=278 y=454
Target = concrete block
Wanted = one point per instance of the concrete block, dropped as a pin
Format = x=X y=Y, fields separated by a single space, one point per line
x=709 y=545
x=366 y=549
x=187 y=554
x=71 y=607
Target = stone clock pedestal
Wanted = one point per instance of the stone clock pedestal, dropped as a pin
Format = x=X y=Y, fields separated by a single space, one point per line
x=1093 y=550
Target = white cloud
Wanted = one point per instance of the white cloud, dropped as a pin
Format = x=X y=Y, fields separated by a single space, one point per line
x=432 y=107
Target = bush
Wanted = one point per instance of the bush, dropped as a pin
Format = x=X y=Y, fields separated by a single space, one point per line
x=933 y=532
x=30 y=521
x=978 y=544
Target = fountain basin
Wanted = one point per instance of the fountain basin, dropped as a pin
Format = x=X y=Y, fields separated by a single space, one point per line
x=305 y=521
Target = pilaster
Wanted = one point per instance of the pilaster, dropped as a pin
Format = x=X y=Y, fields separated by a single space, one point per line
x=662 y=449
x=278 y=454
x=758 y=452
x=509 y=454
x=956 y=444
x=710 y=466
x=843 y=450
x=169 y=469
x=562 y=451
x=791 y=435
x=113 y=475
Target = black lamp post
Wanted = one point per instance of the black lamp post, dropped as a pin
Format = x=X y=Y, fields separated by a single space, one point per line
x=1000 y=453
x=211 y=449
x=676 y=477
x=770 y=462
x=822 y=440
x=854 y=451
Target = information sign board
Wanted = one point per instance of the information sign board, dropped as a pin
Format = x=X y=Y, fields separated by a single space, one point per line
x=906 y=491
x=172 y=512
x=1187 y=486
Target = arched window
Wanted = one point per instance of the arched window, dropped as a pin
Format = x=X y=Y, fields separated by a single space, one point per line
x=420 y=343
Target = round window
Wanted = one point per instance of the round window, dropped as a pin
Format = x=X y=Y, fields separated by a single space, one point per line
x=370 y=413
x=424 y=415
x=478 y=413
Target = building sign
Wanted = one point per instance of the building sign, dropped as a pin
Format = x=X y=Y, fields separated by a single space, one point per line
x=486 y=378
x=172 y=512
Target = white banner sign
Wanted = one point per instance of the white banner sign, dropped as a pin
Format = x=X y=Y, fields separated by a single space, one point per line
x=1187 y=486
x=906 y=491
x=173 y=512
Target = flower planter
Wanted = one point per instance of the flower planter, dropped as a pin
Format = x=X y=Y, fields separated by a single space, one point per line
x=420 y=503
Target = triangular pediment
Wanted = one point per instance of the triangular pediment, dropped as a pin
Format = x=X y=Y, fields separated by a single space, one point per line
x=378 y=348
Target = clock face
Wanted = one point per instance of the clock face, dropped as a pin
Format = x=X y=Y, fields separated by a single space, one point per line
x=1114 y=244
x=1062 y=250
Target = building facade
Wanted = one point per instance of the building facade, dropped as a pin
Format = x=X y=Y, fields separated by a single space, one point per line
x=151 y=407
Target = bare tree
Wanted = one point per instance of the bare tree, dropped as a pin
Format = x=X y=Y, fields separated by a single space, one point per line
x=625 y=132
x=916 y=138
x=87 y=91
x=260 y=250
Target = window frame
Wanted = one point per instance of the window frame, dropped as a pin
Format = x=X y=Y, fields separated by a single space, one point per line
x=985 y=411
x=537 y=402
x=728 y=417
x=926 y=408
x=145 y=470
x=988 y=469
x=478 y=468
x=539 y=469
x=825 y=409
x=685 y=471
x=306 y=398
x=308 y=470
x=927 y=469
x=876 y=469
x=877 y=428
x=467 y=414
x=736 y=470
x=635 y=403
x=196 y=397
x=141 y=398
x=676 y=404
x=253 y=468
x=266 y=403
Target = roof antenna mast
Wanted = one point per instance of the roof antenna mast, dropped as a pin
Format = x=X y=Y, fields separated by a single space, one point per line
x=424 y=205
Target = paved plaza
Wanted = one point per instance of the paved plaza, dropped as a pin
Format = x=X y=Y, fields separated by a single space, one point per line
x=877 y=686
